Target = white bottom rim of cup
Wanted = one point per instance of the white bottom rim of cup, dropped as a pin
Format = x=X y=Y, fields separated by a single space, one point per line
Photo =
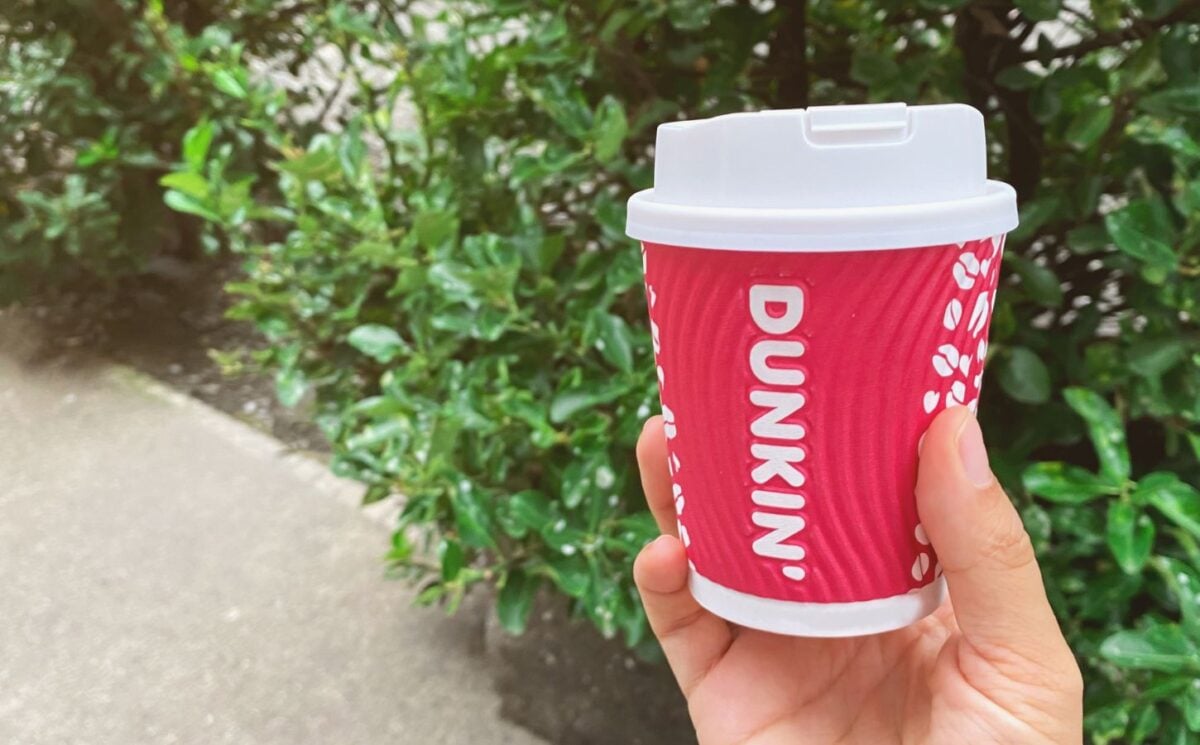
x=817 y=619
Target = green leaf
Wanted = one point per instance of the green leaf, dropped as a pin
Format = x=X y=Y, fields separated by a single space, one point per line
x=1039 y=282
x=1106 y=724
x=1017 y=78
x=1183 y=580
x=196 y=142
x=181 y=202
x=317 y=164
x=191 y=184
x=1153 y=357
x=1040 y=10
x=1088 y=125
x=569 y=402
x=1065 y=484
x=548 y=250
x=1183 y=99
x=870 y=66
x=529 y=510
x=570 y=574
x=1130 y=536
x=561 y=98
x=1190 y=705
x=1105 y=429
x=471 y=516
x=1179 y=501
x=1176 y=139
x=377 y=341
x=1087 y=239
x=1024 y=376
x=563 y=538
x=515 y=600
x=1145 y=723
x=450 y=552
x=1160 y=646
x=1194 y=441
x=1137 y=231
x=609 y=129
x=1036 y=213
x=1174 y=732
x=1187 y=200
x=229 y=83
x=290 y=385
x=435 y=228
x=1107 y=13
x=1046 y=101
x=688 y=15
x=614 y=340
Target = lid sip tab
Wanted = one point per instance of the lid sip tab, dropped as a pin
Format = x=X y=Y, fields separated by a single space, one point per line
x=864 y=177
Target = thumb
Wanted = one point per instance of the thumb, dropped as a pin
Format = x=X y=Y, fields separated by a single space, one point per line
x=986 y=555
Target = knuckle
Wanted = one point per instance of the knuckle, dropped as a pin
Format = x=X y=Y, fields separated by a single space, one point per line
x=1008 y=544
x=1071 y=683
x=670 y=628
x=1073 y=688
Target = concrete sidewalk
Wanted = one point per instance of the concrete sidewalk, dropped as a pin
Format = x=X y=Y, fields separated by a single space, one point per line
x=167 y=575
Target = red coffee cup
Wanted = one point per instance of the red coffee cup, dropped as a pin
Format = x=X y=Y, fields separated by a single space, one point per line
x=820 y=284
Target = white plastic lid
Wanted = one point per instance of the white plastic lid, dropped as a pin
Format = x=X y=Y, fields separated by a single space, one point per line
x=864 y=177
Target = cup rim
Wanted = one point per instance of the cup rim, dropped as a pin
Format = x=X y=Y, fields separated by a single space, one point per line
x=885 y=227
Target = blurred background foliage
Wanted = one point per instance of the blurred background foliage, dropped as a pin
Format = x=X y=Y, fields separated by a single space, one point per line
x=426 y=201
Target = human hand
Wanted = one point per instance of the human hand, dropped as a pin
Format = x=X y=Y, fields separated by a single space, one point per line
x=989 y=666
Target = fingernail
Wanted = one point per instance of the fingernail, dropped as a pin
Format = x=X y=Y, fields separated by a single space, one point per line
x=973 y=453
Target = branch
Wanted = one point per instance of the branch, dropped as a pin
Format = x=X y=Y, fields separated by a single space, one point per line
x=984 y=37
x=789 y=56
x=1140 y=29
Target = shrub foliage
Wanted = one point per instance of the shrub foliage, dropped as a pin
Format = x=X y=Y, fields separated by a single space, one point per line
x=437 y=254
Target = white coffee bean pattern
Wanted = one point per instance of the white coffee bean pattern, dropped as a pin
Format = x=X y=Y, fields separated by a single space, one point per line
x=953 y=365
x=670 y=425
x=921 y=563
x=960 y=370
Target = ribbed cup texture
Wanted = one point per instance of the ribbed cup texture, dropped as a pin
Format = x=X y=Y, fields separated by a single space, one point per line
x=890 y=338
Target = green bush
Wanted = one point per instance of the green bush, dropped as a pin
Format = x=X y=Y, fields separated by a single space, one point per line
x=95 y=96
x=442 y=262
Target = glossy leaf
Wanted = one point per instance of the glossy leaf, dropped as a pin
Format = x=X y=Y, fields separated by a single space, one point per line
x=1105 y=428
x=181 y=202
x=1040 y=10
x=1136 y=231
x=1177 y=500
x=1024 y=376
x=1064 y=483
x=191 y=185
x=615 y=341
x=1130 y=536
x=377 y=341
x=1088 y=125
x=452 y=559
x=1153 y=357
x=1159 y=646
x=230 y=83
x=1039 y=281
x=196 y=143
x=609 y=129
x=290 y=386
x=515 y=600
x=567 y=403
